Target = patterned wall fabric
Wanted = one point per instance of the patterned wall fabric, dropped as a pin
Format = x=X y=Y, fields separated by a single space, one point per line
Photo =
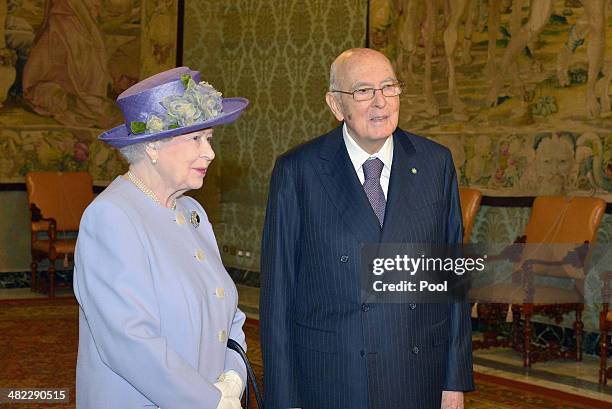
x=519 y=91
x=15 y=228
x=62 y=64
x=61 y=67
x=516 y=90
x=277 y=54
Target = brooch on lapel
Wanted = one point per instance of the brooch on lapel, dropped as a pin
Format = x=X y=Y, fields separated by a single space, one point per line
x=414 y=171
x=195 y=219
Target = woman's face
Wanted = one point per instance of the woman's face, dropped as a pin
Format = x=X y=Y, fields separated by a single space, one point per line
x=183 y=160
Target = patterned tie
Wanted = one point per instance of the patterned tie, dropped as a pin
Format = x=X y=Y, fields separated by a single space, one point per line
x=372 y=168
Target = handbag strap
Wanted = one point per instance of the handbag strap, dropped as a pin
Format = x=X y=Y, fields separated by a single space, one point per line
x=235 y=346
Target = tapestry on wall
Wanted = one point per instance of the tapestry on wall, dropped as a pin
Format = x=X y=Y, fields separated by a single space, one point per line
x=62 y=65
x=518 y=90
x=277 y=54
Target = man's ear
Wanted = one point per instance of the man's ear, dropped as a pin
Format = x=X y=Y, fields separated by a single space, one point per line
x=334 y=105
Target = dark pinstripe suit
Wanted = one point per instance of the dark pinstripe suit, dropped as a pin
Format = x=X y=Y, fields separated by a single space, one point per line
x=322 y=348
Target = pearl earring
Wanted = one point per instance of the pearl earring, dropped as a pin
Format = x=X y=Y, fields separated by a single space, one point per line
x=154 y=161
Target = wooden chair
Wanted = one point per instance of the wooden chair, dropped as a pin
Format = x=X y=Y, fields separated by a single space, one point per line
x=605 y=326
x=470 y=203
x=57 y=201
x=554 y=220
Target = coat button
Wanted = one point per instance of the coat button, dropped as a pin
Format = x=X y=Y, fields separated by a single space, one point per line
x=415 y=350
x=412 y=306
x=199 y=254
x=223 y=336
x=220 y=292
x=362 y=353
x=344 y=259
x=180 y=218
x=365 y=307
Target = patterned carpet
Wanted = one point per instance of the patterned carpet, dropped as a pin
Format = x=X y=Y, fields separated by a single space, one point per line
x=38 y=346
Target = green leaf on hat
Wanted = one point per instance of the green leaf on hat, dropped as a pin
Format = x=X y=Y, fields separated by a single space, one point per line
x=173 y=125
x=185 y=79
x=138 y=127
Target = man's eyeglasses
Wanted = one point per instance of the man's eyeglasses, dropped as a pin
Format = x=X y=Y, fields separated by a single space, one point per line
x=366 y=94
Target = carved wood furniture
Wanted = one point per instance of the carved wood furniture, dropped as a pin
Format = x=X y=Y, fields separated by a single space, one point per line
x=605 y=326
x=561 y=225
x=470 y=203
x=57 y=201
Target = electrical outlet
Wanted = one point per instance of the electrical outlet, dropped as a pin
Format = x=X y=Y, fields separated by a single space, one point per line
x=240 y=253
x=247 y=254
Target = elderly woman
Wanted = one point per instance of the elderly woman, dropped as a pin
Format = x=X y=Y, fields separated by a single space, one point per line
x=156 y=304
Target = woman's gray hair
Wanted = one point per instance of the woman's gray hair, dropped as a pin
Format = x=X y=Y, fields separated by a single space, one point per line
x=136 y=152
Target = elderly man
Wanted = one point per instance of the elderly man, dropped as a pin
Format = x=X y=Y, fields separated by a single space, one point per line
x=367 y=181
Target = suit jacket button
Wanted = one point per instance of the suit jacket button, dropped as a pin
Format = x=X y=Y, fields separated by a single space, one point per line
x=362 y=353
x=365 y=307
x=415 y=350
x=344 y=259
x=412 y=306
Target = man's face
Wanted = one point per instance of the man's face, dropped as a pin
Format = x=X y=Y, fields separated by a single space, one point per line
x=369 y=122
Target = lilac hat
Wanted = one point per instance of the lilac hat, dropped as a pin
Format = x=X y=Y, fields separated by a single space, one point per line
x=171 y=103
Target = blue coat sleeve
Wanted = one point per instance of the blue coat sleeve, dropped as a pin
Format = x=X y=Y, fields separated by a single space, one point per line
x=459 y=376
x=117 y=294
x=279 y=260
x=233 y=361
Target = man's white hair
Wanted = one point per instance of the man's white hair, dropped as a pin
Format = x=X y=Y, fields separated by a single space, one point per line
x=332 y=77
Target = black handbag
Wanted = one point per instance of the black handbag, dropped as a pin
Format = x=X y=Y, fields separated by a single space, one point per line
x=235 y=346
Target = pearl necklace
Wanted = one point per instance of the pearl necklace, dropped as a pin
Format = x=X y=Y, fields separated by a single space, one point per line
x=146 y=190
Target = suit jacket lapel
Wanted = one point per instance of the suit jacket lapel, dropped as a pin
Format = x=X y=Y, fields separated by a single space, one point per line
x=403 y=185
x=342 y=185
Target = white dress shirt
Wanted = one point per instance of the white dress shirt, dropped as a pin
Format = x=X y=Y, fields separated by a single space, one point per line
x=359 y=156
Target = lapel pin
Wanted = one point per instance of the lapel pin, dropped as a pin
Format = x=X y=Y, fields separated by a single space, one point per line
x=195 y=219
x=414 y=171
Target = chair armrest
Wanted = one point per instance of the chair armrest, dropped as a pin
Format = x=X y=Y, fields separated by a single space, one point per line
x=36 y=216
x=575 y=257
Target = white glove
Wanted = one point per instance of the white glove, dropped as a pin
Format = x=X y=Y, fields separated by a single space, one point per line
x=229 y=403
x=231 y=387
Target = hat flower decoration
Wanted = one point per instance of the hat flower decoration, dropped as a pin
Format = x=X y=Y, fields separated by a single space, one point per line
x=200 y=102
x=168 y=104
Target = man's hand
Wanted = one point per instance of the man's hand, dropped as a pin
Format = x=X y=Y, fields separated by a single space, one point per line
x=452 y=400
